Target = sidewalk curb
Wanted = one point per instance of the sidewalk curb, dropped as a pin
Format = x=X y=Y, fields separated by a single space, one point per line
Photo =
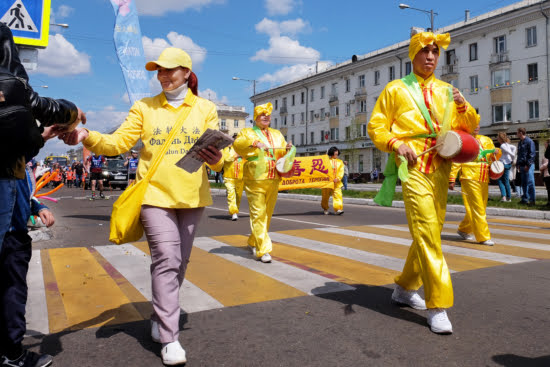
x=532 y=214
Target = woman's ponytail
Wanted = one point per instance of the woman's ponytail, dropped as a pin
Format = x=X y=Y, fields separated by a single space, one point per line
x=193 y=84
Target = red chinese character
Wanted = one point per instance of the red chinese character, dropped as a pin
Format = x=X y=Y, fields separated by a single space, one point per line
x=317 y=165
x=297 y=169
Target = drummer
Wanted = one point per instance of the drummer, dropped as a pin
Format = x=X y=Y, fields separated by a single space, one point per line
x=399 y=126
x=474 y=182
x=233 y=179
x=261 y=146
x=337 y=167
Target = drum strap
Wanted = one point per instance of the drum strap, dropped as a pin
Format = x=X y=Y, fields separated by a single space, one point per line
x=411 y=83
x=262 y=137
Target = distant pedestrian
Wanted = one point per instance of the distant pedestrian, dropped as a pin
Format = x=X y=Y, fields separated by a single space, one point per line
x=544 y=168
x=374 y=175
x=337 y=167
x=346 y=175
x=132 y=163
x=526 y=164
x=508 y=154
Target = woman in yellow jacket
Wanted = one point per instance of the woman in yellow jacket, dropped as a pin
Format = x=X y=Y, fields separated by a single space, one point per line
x=175 y=199
x=233 y=179
x=261 y=146
x=337 y=167
x=474 y=180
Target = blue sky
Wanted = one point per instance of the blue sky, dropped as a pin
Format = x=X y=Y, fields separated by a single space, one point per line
x=270 y=41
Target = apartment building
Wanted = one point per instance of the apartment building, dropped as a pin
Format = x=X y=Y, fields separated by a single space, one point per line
x=499 y=61
x=232 y=118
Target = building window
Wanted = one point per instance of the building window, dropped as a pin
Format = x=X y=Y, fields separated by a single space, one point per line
x=302 y=139
x=500 y=44
x=312 y=137
x=275 y=122
x=362 y=81
x=334 y=89
x=391 y=73
x=236 y=123
x=502 y=112
x=377 y=159
x=532 y=72
x=362 y=106
x=348 y=109
x=322 y=136
x=363 y=130
x=360 y=168
x=284 y=120
x=376 y=77
x=334 y=133
x=501 y=78
x=322 y=92
x=223 y=125
x=450 y=57
x=533 y=110
x=292 y=119
x=473 y=51
x=292 y=138
x=311 y=116
x=531 y=34
x=408 y=67
x=284 y=102
x=348 y=85
x=293 y=99
x=276 y=104
x=322 y=114
x=474 y=84
x=333 y=111
x=312 y=95
x=302 y=116
x=303 y=97
x=348 y=132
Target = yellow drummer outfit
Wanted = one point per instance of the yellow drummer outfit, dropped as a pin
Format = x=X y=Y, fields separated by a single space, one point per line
x=233 y=180
x=261 y=179
x=337 y=167
x=474 y=181
x=396 y=120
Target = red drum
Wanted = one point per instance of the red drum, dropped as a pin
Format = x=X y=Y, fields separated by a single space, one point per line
x=458 y=146
x=280 y=166
x=496 y=170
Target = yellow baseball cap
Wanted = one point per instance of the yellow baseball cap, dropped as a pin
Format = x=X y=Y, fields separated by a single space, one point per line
x=171 y=58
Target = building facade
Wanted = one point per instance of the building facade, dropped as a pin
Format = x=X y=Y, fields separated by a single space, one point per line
x=498 y=60
x=232 y=118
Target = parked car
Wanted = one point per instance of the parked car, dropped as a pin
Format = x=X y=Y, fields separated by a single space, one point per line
x=117 y=173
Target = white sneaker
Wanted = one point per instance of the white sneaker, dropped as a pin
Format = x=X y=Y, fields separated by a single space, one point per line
x=465 y=236
x=173 y=354
x=266 y=258
x=340 y=212
x=439 y=322
x=409 y=298
x=504 y=199
x=325 y=212
x=487 y=243
x=155 y=334
x=234 y=217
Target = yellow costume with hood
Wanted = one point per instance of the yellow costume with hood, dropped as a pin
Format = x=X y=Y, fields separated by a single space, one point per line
x=233 y=178
x=261 y=179
x=397 y=119
x=474 y=182
x=337 y=167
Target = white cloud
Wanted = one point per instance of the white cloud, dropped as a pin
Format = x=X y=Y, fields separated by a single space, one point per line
x=279 y=7
x=213 y=96
x=156 y=8
x=289 y=73
x=64 y=11
x=153 y=48
x=283 y=50
x=61 y=58
x=105 y=120
x=290 y=27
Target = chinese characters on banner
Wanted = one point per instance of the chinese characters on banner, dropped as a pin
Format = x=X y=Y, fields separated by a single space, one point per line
x=310 y=172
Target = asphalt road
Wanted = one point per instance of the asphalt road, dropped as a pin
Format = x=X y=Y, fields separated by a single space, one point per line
x=501 y=315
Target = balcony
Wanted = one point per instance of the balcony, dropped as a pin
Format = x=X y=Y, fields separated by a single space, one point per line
x=499 y=57
x=333 y=98
x=360 y=93
x=450 y=69
x=284 y=110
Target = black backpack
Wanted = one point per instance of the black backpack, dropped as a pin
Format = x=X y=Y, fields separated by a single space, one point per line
x=19 y=132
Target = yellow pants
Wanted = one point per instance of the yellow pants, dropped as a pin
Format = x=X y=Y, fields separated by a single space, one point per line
x=425 y=197
x=475 y=203
x=234 y=189
x=262 y=197
x=337 y=201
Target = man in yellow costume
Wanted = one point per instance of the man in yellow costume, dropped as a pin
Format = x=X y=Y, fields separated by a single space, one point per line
x=233 y=179
x=261 y=146
x=337 y=167
x=474 y=180
x=406 y=120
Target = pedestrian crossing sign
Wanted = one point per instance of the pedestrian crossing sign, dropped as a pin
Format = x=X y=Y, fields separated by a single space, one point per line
x=29 y=20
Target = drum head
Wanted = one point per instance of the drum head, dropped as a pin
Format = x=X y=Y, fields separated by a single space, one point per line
x=497 y=167
x=280 y=165
x=451 y=144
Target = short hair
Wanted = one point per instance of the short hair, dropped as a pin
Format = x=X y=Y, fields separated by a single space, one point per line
x=522 y=130
x=333 y=150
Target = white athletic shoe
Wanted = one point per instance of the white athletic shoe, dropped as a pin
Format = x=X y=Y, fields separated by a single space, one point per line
x=234 y=217
x=266 y=258
x=155 y=334
x=325 y=212
x=340 y=212
x=409 y=298
x=465 y=236
x=439 y=322
x=487 y=243
x=173 y=354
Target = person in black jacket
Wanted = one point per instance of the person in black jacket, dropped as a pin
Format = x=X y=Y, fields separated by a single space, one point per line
x=20 y=107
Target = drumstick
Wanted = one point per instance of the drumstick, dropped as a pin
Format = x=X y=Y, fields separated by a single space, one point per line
x=430 y=149
x=460 y=191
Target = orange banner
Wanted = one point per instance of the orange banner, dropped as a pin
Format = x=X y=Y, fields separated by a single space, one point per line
x=309 y=172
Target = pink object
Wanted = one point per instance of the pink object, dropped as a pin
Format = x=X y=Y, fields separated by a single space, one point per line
x=123 y=7
x=49 y=198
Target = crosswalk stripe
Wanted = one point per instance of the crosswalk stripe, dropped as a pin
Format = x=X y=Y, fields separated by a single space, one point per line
x=455 y=262
x=536 y=224
x=37 y=314
x=506 y=232
x=383 y=261
x=57 y=318
x=511 y=247
x=518 y=235
x=307 y=282
x=508 y=259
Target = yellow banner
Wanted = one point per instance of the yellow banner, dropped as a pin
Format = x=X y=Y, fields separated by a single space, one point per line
x=310 y=172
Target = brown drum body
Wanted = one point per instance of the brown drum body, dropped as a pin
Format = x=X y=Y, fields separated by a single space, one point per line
x=280 y=168
x=496 y=170
x=458 y=146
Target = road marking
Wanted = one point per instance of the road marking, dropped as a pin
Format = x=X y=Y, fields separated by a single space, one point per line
x=37 y=311
x=57 y=318
x=507 y=232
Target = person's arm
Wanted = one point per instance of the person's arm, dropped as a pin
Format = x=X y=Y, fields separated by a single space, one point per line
x=245 y=144
x=531 y=154
x=212 y=156
x=455 y=168
x=340 y=170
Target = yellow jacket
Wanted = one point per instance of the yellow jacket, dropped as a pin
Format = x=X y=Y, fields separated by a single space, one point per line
x=233 y=164
x=477 y=170
x=337 y=171
x=151 y=120
x=396 y=119
x=244 y=145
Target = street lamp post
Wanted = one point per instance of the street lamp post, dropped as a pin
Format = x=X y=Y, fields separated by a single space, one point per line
x=429 y=12
x=253 y=81
x=62 y=25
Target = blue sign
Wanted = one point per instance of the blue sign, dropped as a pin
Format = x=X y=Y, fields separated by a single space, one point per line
x=29 y=20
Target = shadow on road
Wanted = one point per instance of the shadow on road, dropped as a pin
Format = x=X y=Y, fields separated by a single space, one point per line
x=512 y=360
x=89 y=216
